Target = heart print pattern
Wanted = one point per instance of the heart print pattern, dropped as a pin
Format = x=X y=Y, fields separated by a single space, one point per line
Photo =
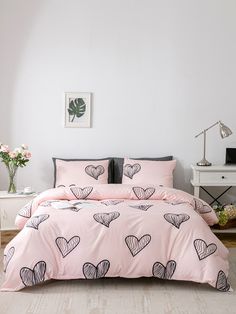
x=222 y=282
x=65 y=247
x=143 y=194
x=176 y=219
x=81 y=193
x=136 y=245
x=164 y=272
x=35 y=221
x=106 y=218
x=94 y=172
x=7 y=257
x=203 y=250
x=31 y=277
x=131 y=170
x=91 y=271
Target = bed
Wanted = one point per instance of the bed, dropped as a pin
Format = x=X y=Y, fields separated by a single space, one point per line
x=125 y=230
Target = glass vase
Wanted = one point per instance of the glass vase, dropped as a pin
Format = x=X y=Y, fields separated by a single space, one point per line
x=12 y=169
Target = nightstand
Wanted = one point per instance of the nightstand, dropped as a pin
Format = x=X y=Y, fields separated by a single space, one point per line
x=204 y=176
x=213 y=176
x=10 y=204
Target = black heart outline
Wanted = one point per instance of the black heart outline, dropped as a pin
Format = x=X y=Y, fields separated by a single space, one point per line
x=91 y=271
x=7 y=257
x=31 y=277
x=164 y=272
x=106 y=218
x=26 y=210
x=176 y=219
x=81 y=193
x=136 y=245
x=174 y=203
x=200 y=207
x=222 y=282
x=35 y=221
x=112 y=202
x=143 y=194
x=202 y=249
x=66 y=247
x=94 y=171
x=131 y=170
x=142 y=207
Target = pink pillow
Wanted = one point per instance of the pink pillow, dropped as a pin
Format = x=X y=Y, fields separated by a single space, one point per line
x=80 y=172
x=148 y=172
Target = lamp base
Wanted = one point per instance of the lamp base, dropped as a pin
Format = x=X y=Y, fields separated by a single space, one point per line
x=204 y=162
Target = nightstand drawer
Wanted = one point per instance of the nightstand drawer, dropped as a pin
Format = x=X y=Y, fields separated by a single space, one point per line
x=217 y=177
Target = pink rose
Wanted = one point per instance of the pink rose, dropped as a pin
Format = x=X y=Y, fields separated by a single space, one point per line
x=12 y=155
x=4 y=149
x=17 y=150
x=26 y=154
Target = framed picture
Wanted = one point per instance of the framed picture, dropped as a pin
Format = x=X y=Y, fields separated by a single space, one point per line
x=77 y=110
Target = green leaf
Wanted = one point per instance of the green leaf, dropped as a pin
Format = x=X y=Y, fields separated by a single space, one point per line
x=70 y=111
x=77 y=107
x=72 y=105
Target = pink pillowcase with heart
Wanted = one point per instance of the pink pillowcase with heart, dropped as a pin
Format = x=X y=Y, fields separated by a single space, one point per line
x=69 y=173
x=148 y=172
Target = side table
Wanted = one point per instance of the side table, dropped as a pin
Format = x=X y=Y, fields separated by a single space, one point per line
x=10 y=204
x=217 y=176
x=204 y=176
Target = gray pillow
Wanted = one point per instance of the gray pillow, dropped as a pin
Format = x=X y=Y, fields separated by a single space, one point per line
x=110 y=167
x=118 y=166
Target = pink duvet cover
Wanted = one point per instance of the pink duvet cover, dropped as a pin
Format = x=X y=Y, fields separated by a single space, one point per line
x=115 y=231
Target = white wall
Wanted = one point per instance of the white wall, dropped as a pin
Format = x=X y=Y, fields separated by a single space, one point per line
x=159 y=71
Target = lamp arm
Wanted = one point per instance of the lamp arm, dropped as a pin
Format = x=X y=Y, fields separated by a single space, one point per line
x=204 y=131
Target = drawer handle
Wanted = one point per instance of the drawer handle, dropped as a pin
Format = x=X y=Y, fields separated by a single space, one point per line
x=223 y=177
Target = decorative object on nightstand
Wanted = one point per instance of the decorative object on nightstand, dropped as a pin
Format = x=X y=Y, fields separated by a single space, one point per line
x=226 y=215
x=230 y=156
x=10 y=204
x=12 y=160
x=224 y=132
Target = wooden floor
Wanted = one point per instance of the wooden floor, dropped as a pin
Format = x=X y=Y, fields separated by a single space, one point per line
x=6 y=237
x=229 y=240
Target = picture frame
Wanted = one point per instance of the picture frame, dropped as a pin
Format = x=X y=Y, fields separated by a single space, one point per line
x=77 y=110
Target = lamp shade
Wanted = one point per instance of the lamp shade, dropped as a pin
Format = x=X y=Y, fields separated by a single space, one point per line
x=224 y=130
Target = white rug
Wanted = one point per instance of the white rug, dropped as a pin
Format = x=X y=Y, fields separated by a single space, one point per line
x=118 y=296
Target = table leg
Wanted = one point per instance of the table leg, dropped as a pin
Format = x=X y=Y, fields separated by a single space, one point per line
x=215 y=199
x=197 y=191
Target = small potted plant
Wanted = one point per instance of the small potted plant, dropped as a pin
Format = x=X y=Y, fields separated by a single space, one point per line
x=13 y=160
x=226 y=215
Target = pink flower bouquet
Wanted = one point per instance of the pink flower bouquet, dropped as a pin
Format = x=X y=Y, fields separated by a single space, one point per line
x=14 y=159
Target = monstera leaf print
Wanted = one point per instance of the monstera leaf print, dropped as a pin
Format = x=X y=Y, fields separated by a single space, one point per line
x=77 y=108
